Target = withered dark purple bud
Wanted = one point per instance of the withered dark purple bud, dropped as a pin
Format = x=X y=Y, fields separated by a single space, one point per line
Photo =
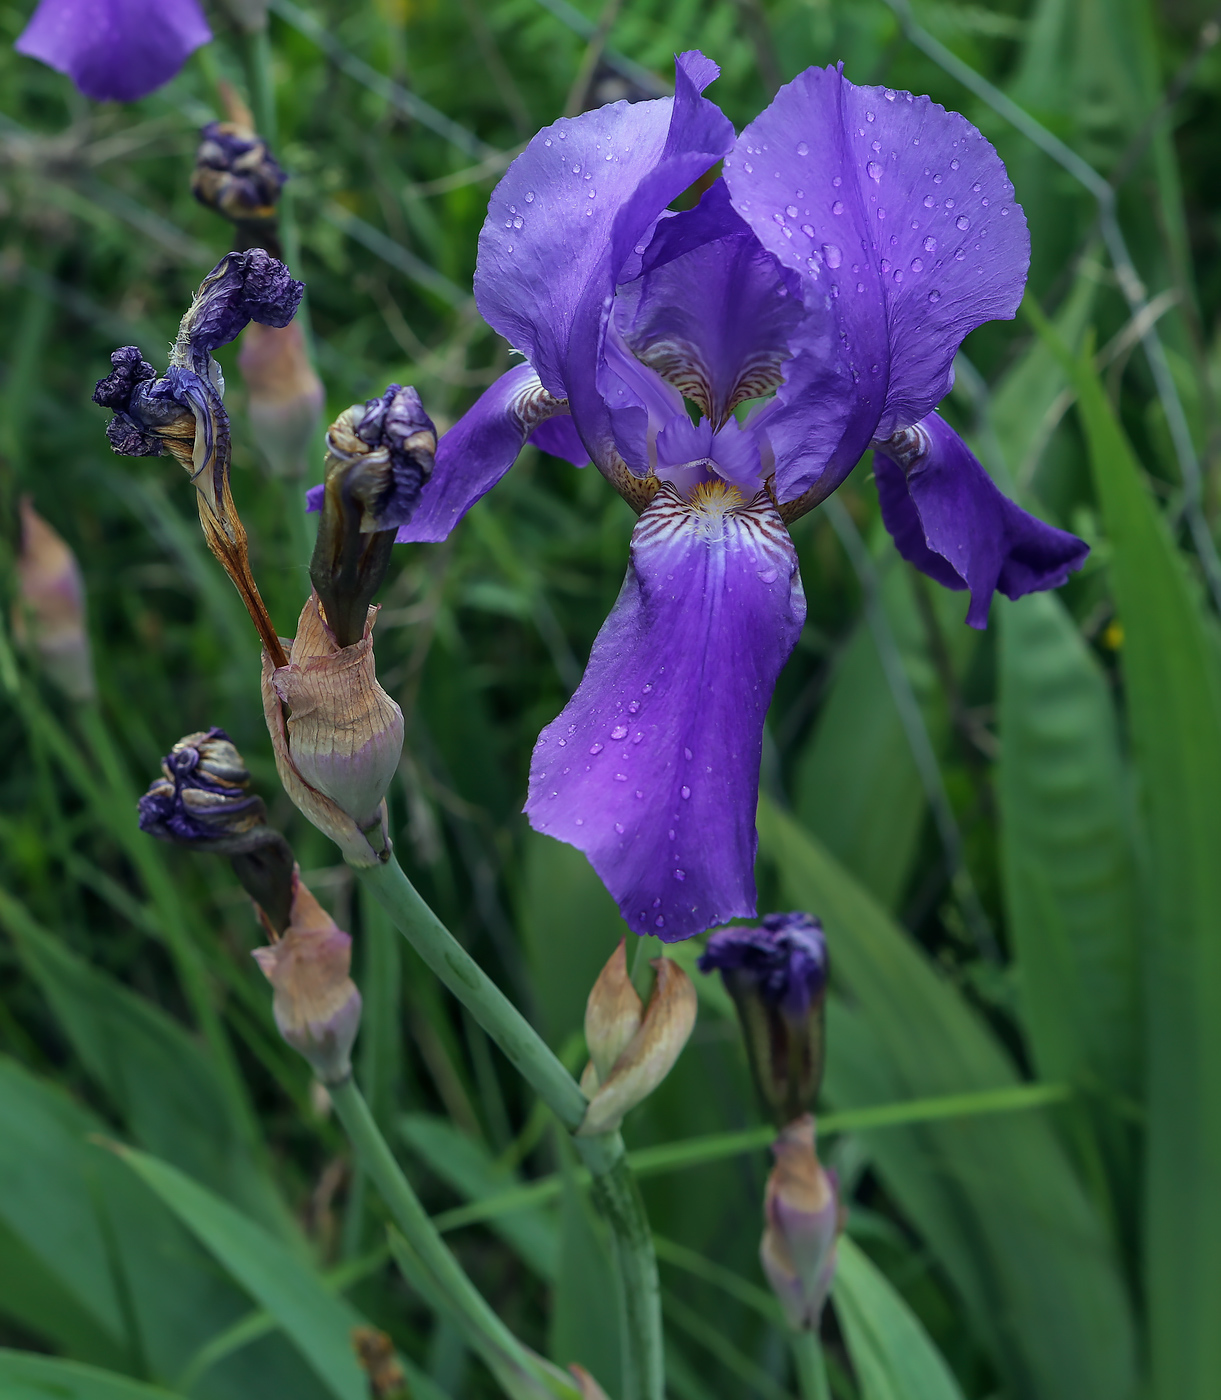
x=203 y=800
x=379 y=455
x=236 y=176
x=777 y=976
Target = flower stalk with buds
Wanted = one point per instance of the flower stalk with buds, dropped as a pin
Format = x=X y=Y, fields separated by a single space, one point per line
x=50 y=612
x=802 y=1215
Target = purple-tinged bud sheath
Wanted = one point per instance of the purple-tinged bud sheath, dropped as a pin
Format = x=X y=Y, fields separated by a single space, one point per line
x=285 y=396
x=50 y=612
x=203 y=800
x=315 y=1001
x=802 y=1223
x=632 y=1047
x=777 y=975
x=336 y=734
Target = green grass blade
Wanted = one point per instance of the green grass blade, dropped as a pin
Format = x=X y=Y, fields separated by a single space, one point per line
x=893 y=1356
x=1174 y=714
x=25 y=1376
x=316 y=1322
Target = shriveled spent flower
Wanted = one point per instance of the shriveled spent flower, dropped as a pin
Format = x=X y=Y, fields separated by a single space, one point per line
x=315 y=1002
x=115 y=50
x=238 y=177
x=801 y=1211
x=826 y=279
x=777 y=976
x=50 y=611
x=632 y=1047
x=183 y=412
x=284 y=395
x=204 y=800
x=339 y=744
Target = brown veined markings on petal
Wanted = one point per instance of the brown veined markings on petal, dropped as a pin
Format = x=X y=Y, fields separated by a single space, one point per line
x=679 y=363
x=758 y=521
x=532 y=405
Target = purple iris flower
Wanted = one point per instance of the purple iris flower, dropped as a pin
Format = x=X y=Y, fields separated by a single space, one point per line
x=829 y=276
x=115 y=50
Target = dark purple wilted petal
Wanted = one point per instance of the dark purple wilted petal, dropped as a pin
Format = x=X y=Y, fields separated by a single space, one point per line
x=204 y=794
x=242 y=287
x=477 y=451
x=901 y=219
x=949 y=520
x=398 y=423
x=115 y=50
x=785 y=957
x=653 y=767
x=567 y=216
x=712 y=311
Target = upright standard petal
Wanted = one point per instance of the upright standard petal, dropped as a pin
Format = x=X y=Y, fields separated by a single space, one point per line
x=901 y=219
x=568 y=214
x=653 y=767
x=949 y=519
x=115 y=50
x=477 y=451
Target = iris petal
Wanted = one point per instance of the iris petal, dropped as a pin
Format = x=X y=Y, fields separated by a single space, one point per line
x=477 y=451
x=902 y=221
x=652 y=769
x=949 y=520
x=115 y=50
x=568 y=214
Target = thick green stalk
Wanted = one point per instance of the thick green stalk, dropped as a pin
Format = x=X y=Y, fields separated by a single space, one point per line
x=614 y=1186
x=812 y=1383
x=522 y=1371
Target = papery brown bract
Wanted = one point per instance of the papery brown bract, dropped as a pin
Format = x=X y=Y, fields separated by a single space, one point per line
x=50 y=615
x=316 y=1004
x=801 y=1209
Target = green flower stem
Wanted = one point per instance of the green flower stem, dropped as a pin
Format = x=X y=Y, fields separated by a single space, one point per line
x=812 y=1383
x=255 y=49
x=614 y=1187
x=521 y=1043
x=508 y=1357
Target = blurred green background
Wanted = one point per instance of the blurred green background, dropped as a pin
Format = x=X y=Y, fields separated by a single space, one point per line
x=1012 y=836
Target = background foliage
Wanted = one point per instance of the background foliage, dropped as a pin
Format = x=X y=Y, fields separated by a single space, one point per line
x=1011 y=836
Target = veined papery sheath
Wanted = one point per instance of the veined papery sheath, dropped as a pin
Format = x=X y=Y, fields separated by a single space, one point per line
x=115 y=50
x=826 y=279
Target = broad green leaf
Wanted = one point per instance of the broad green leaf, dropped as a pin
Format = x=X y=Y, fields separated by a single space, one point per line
x=317 y=1323
x=1174 y=719
x=995 y=1199
x=1069 y=860
x=25 y=1376
x=154 y=1073
x=467 y=1167
x=893 y=1356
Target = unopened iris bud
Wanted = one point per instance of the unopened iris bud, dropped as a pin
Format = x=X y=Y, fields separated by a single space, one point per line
x=204 y=800
x=777 y=976
x=632 y=1047
x=237 y=176
x=801 y=1210
x=379 y=455
x=50 y=612
x=315 y=1001
x=339 y=746
x=285 y=396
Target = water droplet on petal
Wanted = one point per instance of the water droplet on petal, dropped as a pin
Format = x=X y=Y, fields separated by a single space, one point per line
x=619 y=731
x=647 y=689
x=580 y=821
x=595 y=748
x=621 y=777
x=519 y=222
x=687 y=753
x=838 y=207
x=917 y=265
x=869 y=116
x=680 y=874
x=898 y=274
x=962 y=223
x=1005 y=210
x=960 y=254
x=750 y=169
x=619 y=828
x=659 y=921
x=639 y=793
x=791 y=211
x=633 y=707
x=929 y=201
x=547 y=142
x=860 y=286
x=837 y=181
x=529 y=196
x=936 y=179
x=874 y=170
x=985 y=202
x=954 y=164
x=832 y=254
x=808 y=230
x=767 y=575
x=802 y=149
x=975 y=188
x=684 y=792
x=576 y=169
x=930 y=244
x=671 y=833
x=639 y=734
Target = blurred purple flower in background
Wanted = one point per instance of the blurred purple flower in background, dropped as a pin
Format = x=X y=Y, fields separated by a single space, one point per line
x=115 y=50
x=855 y=237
